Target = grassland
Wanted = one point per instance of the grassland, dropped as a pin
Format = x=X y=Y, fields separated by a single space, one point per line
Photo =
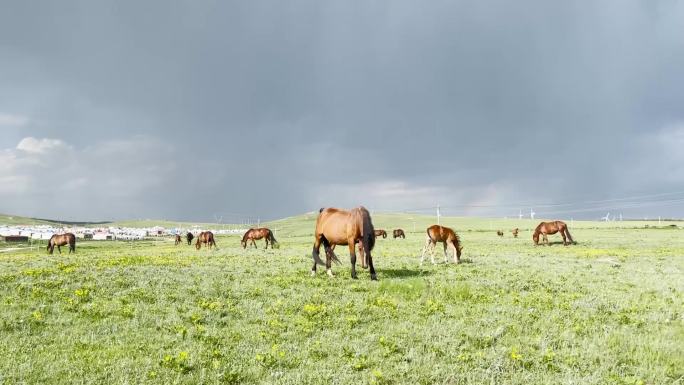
x=609 y=310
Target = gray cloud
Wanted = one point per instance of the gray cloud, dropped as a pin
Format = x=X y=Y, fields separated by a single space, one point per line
x=271 y=109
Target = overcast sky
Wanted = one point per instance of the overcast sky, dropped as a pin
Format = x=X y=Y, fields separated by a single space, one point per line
x=187 y=109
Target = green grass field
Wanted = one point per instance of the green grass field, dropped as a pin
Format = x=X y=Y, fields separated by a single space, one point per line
x=609 y=310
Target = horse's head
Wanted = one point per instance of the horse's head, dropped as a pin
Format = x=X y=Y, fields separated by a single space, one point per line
x=459 y=248
x=243 y=243
x=535 y=238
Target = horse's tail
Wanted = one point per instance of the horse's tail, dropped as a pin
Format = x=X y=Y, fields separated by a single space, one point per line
x=367 y=231
x=328 y=249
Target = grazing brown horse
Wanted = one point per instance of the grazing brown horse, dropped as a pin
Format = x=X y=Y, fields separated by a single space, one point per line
x=380 y=233
x=341 y=227
x=255 y=234
x=515 y=232
x=178 y=240
x=398 y=233
x=206 y=238
x=499 y=233
x=554 y=227
x=447 y=236
x=61 y=240
x=189 y=237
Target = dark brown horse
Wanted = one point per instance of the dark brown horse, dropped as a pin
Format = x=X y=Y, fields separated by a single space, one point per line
x=256 y=234
x=178 y=240
x=61 y=240
x=546 y=228
x=515 y=232
x=499 y=233
x=189 y=237
x=398 y=233
x=380 y=233
x=448 y=237
x=340 y=227
x=206 y=238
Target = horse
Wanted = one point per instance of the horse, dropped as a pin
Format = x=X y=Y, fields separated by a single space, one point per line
x=61 y=240
x=189 y=237
x=206 y=238
x=515 y=232
x=447 y=236
x=499 y=233
x=178 y=240
x=545 y=228
x=255 y=234
x=380 y=233
x=341 y=227
x=398 y=233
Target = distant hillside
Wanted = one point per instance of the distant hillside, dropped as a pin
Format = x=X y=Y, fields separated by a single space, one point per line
x=303 y=225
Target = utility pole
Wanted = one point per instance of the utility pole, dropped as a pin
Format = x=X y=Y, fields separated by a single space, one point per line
x=438 y=214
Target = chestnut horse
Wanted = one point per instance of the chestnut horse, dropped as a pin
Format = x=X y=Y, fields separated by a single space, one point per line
x=178 y=240
x=515 y=232
x=61 y=240
x=380 y=233
x=499 y=233
x=398 y=233
x=341 y=227
x=554 y=227
x=255 y=234
x=447 y=236
x=206 y=238
x=189 y=237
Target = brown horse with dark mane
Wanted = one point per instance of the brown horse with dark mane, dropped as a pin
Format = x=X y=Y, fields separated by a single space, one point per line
x=341 y=227
x=380 y=233
x=546 y=228
x=256 y=234
x=189 y=237
x=515 y=232
x=178 y=240
x=61 y=240
x=206 y=238
x=398 y=233
x=448 y=237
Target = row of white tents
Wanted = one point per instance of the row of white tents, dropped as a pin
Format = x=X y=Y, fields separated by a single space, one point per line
x=100 y=234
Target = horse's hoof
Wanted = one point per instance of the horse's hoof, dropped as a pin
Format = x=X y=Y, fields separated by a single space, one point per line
x=374 y=277
x=330 y=274
x=313 y=273
x=354 y=276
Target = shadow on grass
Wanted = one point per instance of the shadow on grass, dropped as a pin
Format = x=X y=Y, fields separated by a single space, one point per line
x=558 y=243
x=404 y=273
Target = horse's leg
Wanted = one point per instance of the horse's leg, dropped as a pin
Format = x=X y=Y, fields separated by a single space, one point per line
x=369 y=258
x=446 y=257
x=328 y=259
x=433 y=246
x=565 y=240
x=425 y=249
x=315 y=254
x=59 y=248
x=352 y=257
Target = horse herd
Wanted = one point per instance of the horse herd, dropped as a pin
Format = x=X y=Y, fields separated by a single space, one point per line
x=352 y=228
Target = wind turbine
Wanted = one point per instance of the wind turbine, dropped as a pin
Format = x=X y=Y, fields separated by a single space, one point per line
x=520 y=214
x=532 y=213
x=606 y=218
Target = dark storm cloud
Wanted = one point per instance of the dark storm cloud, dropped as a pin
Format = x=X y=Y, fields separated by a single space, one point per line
x=268 y=108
